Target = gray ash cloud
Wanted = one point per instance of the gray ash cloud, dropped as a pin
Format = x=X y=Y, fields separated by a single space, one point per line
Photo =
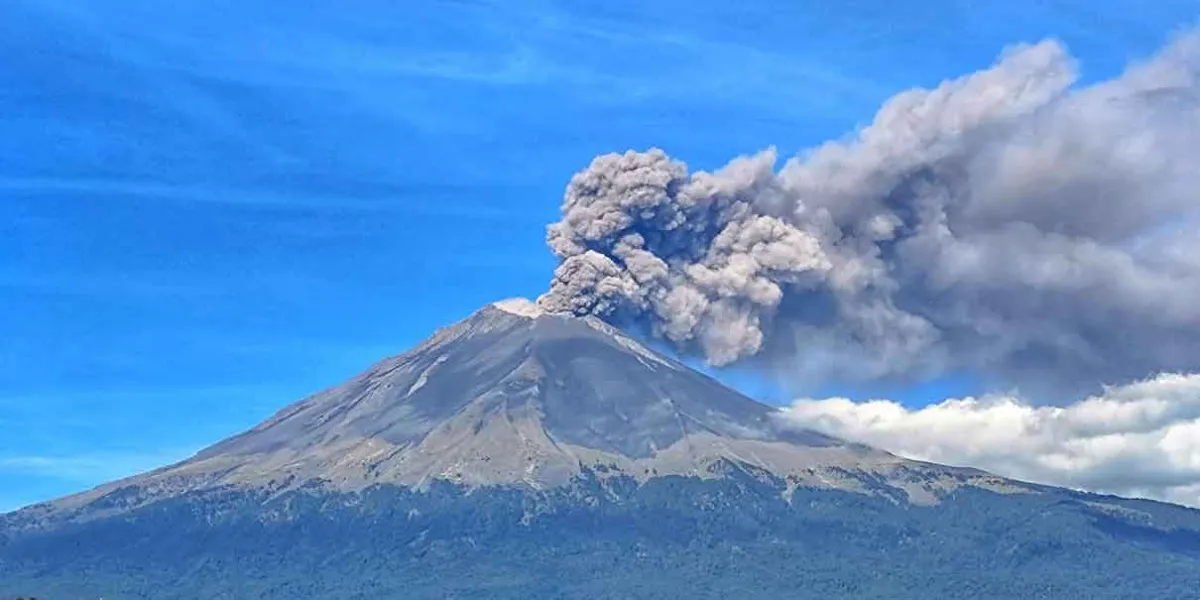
x=1010 y=222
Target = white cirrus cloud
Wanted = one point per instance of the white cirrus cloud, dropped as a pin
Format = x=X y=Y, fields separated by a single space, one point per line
x=1141 y=439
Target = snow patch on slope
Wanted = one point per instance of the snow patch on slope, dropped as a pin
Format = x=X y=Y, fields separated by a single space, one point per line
x=643 y=353
x=424 y=377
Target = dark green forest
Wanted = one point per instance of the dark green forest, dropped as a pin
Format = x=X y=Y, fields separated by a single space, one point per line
x=672 y=537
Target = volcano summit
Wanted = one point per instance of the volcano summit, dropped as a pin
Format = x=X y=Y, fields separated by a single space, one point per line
x=521 y=454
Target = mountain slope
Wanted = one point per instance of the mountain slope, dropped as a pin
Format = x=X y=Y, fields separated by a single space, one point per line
x=523 y=454
x=514 y=396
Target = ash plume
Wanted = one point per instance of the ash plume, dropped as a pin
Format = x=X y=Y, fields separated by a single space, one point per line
x=1010 y=222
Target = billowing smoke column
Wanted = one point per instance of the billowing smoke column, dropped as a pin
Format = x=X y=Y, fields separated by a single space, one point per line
x=1008 y=222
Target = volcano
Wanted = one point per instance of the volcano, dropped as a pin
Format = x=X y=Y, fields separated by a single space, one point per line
x=524 y=454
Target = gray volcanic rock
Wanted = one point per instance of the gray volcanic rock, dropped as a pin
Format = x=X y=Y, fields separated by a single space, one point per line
x=514 y=396
x=520 y=454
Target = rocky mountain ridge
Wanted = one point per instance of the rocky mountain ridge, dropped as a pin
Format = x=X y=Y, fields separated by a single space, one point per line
x=515 y=396
x=522 y=454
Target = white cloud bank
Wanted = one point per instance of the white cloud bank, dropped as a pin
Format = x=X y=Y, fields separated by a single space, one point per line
x=1141 y=439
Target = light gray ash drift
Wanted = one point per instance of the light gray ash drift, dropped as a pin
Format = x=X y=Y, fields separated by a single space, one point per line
x=1011 y=223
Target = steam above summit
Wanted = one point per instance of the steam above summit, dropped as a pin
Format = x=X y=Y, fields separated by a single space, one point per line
x=522 y=307
x=1007 y=222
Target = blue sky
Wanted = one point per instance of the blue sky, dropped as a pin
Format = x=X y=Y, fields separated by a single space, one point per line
x=210 y=209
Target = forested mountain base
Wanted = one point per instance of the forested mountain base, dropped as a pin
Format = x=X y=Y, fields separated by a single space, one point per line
x=673 y=537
